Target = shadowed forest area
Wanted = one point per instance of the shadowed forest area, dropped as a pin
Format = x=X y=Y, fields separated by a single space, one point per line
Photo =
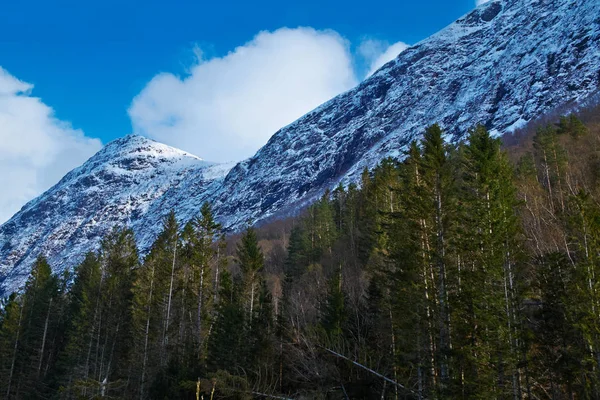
x=468 y=271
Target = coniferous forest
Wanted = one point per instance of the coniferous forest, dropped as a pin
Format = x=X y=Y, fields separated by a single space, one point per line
x=468 y=271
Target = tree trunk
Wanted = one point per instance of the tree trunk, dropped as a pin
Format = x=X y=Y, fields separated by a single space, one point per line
x=200 y=301
x=44 y=338
x=166 y=333
x=14 y=358
x=441 y=265
x=147 y=334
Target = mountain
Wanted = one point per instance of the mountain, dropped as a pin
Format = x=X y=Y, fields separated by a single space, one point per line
x=117 y=186
x=504 y=64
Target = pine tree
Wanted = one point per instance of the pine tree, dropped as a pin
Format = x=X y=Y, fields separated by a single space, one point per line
x=206 y=235
x=552 y=160
x=11 y=326
x=584 y=228
x=251 y=261
x=334 y=312
x=438 y=187
x=227 y=346
x=296 y=264
x=262 y=334
x=572 y=126
x=33 y=356
x=82 y=320
x=559 y=349
x=110 y=369
x=488 y=270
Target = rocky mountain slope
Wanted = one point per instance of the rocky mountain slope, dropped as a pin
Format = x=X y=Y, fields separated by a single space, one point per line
x=117 y=186
x=504 y=64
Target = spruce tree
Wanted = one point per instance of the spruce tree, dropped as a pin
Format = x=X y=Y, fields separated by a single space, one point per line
x=438 y=191
x=32 y=357
x=82 y=325
x=110 y=367
x=11 y=326
x=334 y=312
x=488 y=294
x=251 y=260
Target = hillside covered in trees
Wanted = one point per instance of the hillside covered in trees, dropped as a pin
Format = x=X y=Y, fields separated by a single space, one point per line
x=464 y=271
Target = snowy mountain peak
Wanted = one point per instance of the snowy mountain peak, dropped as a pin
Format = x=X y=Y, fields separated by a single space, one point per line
x=116 y=186
x=504 y=64
x=133 y=153
x=140 y=145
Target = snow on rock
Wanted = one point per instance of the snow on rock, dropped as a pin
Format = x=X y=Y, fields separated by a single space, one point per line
x=504 y=64
x=117 y=186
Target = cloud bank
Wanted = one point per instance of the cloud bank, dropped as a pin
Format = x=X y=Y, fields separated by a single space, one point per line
x=37 y=149
x=228 y=107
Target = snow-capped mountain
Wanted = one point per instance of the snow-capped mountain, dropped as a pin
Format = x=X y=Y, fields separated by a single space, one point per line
x=503 y=64
x=117 y=186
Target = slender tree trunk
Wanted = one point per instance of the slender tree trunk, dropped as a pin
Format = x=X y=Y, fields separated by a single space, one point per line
x=110 y=359
x=444 y=317
x=14 y=358
x=148 y=310
x=107 y=340
x=44 y=338
x=393 y=337
x=216 y=283
x=93 y=327
x=200 y=301
x=427 y=270
x=166 y=333
x=547 y=173
x=182 y=314
x=252 y=299
x=560 y=189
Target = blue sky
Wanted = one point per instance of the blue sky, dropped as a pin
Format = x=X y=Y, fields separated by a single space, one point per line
x=88 y=59
x=216 y=79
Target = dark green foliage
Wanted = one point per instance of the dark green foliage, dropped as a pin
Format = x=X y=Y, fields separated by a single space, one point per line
x=572 y=125
x=227 y=345
x=449 y=275
x=249 y=254
x=334 y=313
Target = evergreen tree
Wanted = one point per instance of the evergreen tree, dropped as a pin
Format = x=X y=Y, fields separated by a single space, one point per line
x=438 y=191
x=32 y=356
x=227 y=347
x=11 y=326
x=446 y=275
x=487 y=271
x=82 y=315
x=559 y=355
x=110 y=369
x=334 y=313
x=251 y=261
x=206 y=235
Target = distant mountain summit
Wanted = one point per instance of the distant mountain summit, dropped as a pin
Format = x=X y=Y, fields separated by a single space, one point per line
x=504 y=64
x=117 y=186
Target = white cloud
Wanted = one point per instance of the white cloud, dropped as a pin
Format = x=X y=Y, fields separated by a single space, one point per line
x=480 y=2
x=228 y=107
x=37 y=149
x=377 y=53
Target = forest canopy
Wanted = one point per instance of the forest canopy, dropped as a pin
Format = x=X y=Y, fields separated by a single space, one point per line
x=462 y=271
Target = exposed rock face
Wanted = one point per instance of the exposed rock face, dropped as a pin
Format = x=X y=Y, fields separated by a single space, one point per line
x=504 y=64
